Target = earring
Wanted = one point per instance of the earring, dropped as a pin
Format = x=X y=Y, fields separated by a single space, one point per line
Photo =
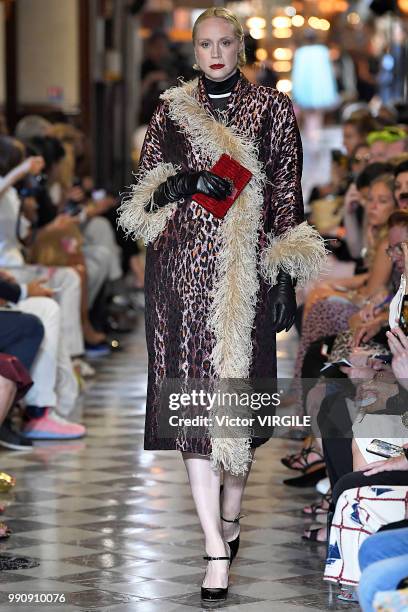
x=196 y=67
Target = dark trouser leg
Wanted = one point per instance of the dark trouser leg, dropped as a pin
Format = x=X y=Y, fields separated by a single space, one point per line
x=335 y=427
x=20 y=335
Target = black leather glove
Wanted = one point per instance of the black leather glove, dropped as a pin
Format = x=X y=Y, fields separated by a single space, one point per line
x=283 y=302
x=186 y=184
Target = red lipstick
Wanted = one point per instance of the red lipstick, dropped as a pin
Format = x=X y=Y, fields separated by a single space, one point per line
x=217 y=66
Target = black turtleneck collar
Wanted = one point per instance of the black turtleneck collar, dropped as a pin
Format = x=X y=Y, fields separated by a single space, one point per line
x=221 y=87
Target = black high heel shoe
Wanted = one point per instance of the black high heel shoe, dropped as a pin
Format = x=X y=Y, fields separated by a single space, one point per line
x=215 y=594
x=234 y=544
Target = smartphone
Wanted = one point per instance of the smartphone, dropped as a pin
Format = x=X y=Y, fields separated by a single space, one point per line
x=338 y=298
x=340 y=288
x=384 y=449
x=72 y=208
x=342 y=362
x=98 y=194
x=384 y=358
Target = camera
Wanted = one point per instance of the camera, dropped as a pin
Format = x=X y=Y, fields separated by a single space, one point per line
x=31 y=186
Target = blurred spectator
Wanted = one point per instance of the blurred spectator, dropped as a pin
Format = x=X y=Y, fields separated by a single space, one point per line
x=157 y=73
x=387 y=143
x=359 y=160
x=356 y=130
x=55 y=388
x=14 y=378
x=401 y=185
x=344 y=71
x=383 y=561
x=31 y=126
x=367 y=66
x=254 y=70
x=13 y=224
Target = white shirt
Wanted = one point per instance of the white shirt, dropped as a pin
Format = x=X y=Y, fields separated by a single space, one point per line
x=10 y=247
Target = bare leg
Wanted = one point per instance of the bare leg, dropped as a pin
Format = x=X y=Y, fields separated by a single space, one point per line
x=137 y=267
x=231 y=501
x=205 y=488
x=90 y=334
x=7 y=395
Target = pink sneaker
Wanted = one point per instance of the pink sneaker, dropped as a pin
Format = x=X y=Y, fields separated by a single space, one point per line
x=51 y=426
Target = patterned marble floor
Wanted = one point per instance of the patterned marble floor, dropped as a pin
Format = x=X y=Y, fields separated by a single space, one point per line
x=113 y=528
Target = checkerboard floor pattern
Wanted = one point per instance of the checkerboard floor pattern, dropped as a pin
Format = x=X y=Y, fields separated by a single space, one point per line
x=113 y=527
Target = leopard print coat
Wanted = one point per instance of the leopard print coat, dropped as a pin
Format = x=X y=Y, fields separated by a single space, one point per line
x=207 y=279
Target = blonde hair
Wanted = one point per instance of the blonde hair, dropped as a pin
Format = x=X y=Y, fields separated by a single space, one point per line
x=382 y=231
x=223 y=13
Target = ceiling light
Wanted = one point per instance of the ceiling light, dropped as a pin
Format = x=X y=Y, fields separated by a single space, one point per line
x=282 y=53
x=282 y=66
x=284 y=85
x=261 y=54
x=282 y=33
x=298 y=21
x=257 y=33
x=256 y=23
x=281 y=22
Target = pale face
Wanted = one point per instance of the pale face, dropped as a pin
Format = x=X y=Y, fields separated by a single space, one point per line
x=380 y=204
x=360 y=159
x=379 y=151
x=396 y=148
x=216 y=48
x=401 y=190
x=397 y=235
x=351 y=138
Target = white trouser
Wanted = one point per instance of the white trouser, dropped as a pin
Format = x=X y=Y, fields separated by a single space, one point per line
x=55 y=384
x=98 y=231
x=68 y=296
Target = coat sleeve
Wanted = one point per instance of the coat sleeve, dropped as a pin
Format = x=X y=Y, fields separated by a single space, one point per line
x=152 y=171
x=293 y=245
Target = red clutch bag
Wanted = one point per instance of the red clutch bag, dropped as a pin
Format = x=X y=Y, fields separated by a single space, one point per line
x=227 y=168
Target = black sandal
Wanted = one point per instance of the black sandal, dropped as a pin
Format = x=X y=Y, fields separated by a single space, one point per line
x=215 y=594
x=312 y=537
x=317 y=508
x=306 y=480
x=302 y=459
x=234 y=544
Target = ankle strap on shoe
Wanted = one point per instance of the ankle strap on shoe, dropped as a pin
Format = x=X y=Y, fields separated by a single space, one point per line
x=235 y=520
x=208 y=558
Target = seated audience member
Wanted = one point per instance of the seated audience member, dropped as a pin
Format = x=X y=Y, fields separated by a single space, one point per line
x=60 y=241
x=333 y=415
x=356 y=130
x=96 y=229
x=12 y=223
x=387 y=143
x=53 y=395
x=359 y=159
x=30 y=126
x=337 y=183
x=355 y=224
x=383 y=559
x=15 y=380
x=366 y=325
x=363 y=504
x=332 y=308
x=401 y=185
x=14 y=383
